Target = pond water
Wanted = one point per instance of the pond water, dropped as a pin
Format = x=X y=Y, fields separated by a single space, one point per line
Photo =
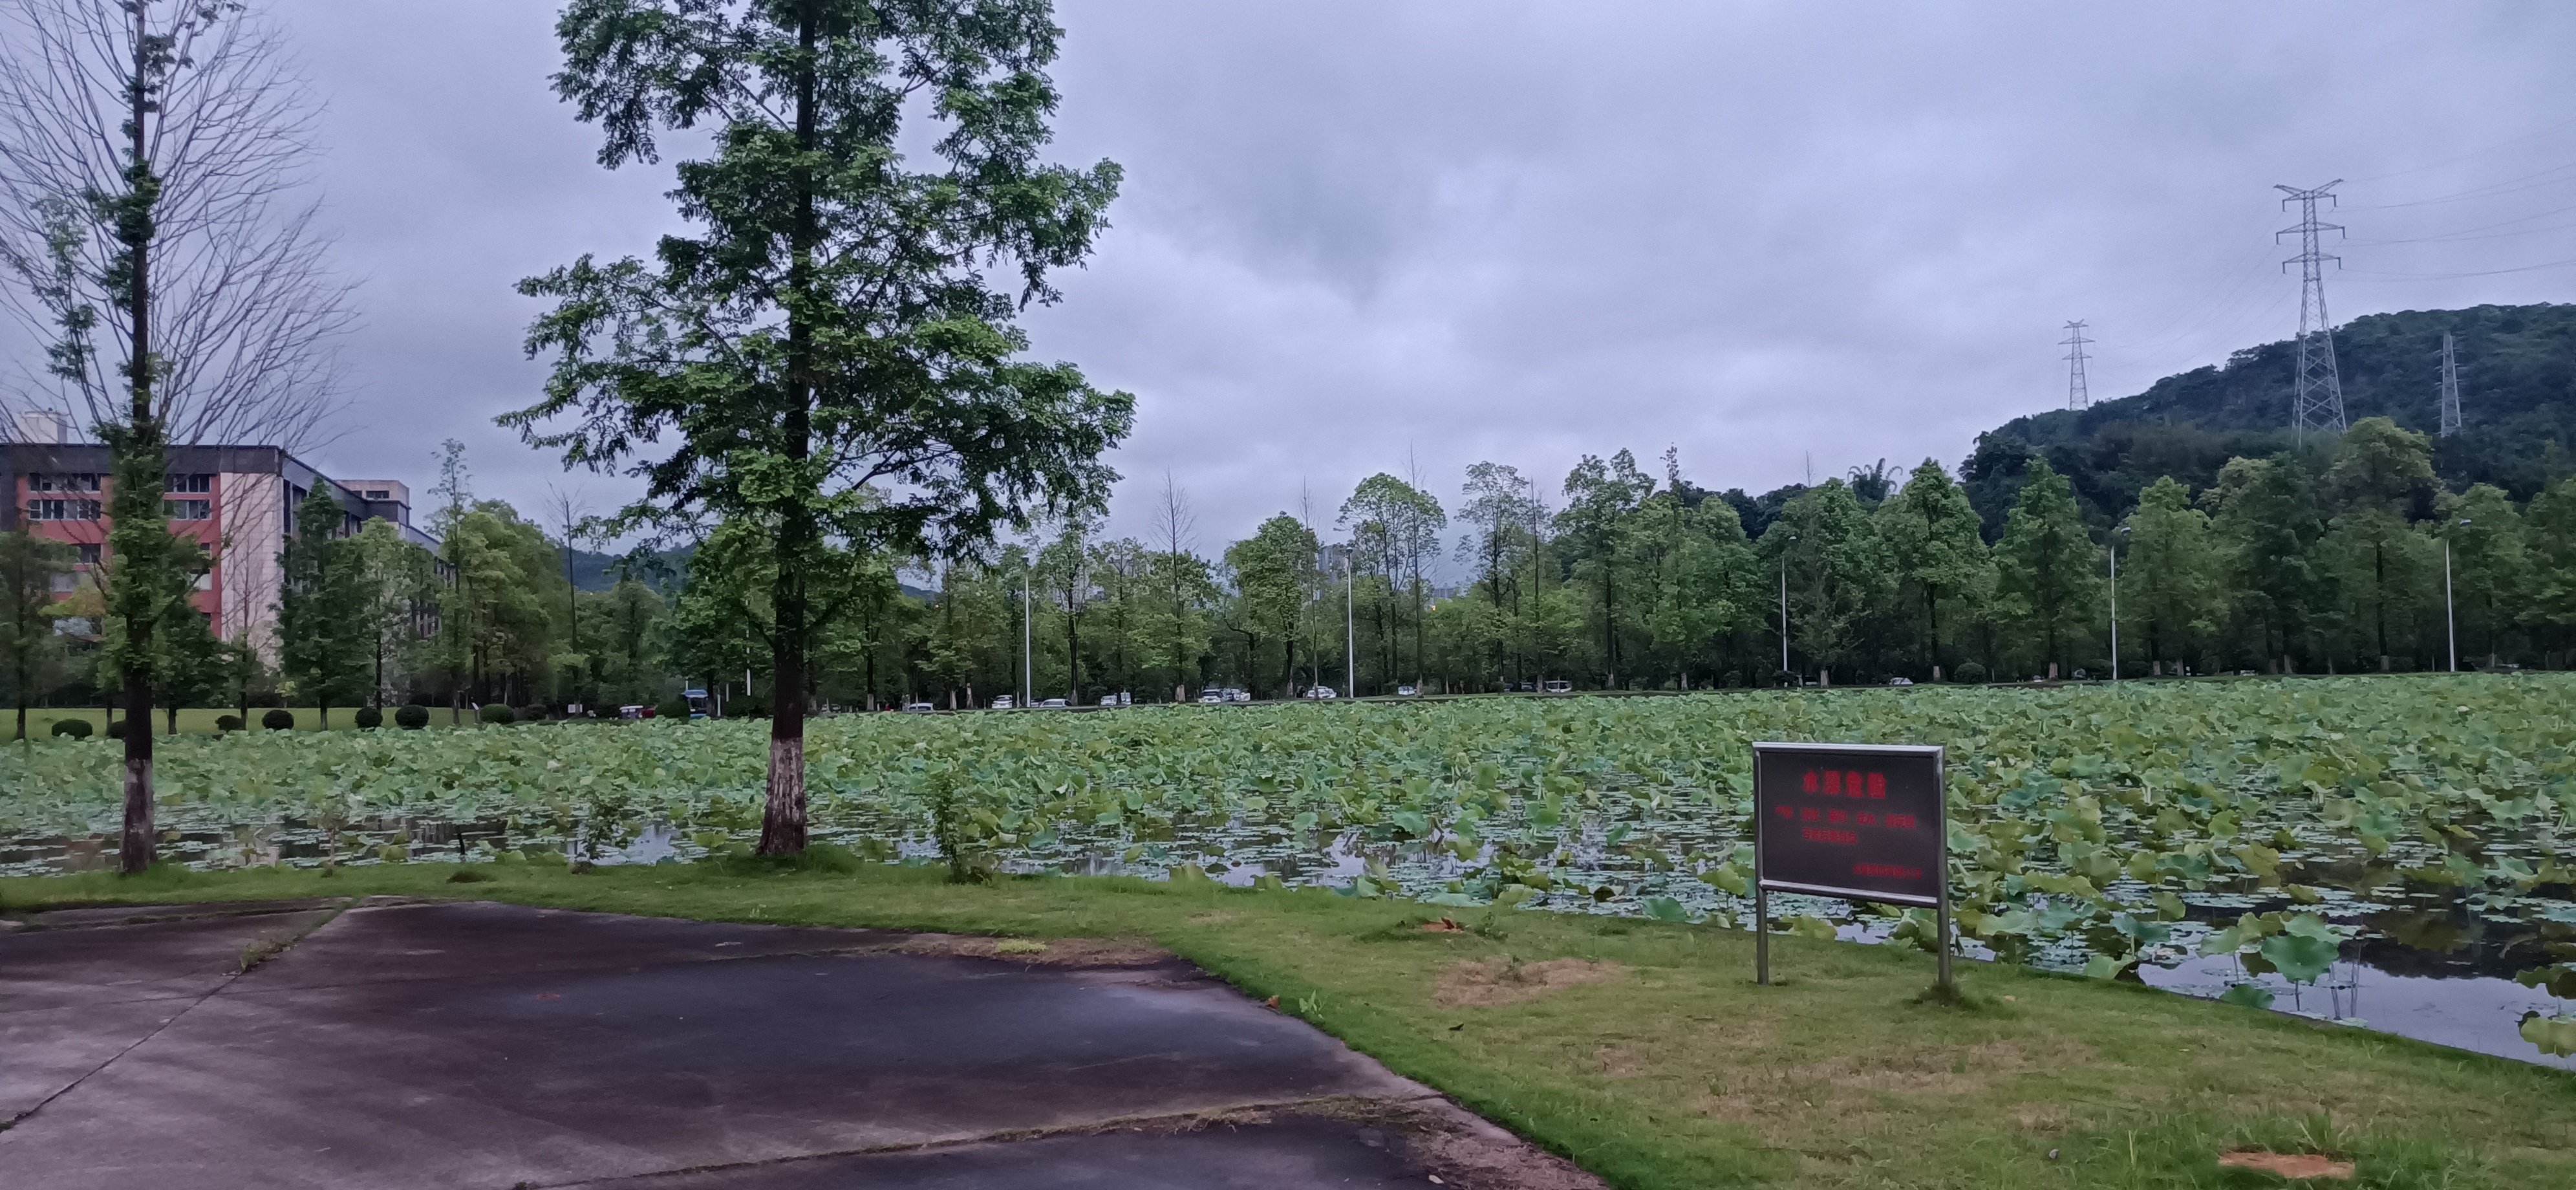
x=2427 y=959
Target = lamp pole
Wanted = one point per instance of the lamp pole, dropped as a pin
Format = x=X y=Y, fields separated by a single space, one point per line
x=2450 y=616
x=2114 y=550
x=1350 y=629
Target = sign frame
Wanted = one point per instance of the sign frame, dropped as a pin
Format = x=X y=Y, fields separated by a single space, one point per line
x=1763 y=752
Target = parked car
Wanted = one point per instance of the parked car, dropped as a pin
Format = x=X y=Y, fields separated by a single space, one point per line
x=1321 y=692
x=1211 y=697
x=1052 y=704
x=1233 y=695
x=633 y=712
x=919 y=707
x=1404 y=692
x=1560 y=686
x=1900 y=681
x=1004 y=703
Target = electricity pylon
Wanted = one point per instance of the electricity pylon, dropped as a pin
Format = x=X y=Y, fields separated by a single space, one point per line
x=2450 y=389
x=2078 y=394
x=2316 y=401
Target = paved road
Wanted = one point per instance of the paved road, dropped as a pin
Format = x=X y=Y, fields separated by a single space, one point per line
x=393 y=1043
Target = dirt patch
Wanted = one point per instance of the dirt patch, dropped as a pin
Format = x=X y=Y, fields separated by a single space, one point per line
x=1620 y=1061
x=1459 y=1147
x=1506 y=981
x=1054 y=952
x=2287 y=1165
x=1213 y=917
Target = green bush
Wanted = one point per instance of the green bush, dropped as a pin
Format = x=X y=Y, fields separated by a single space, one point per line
x=369 y=717
x=278 y=719
x=116 y=730
x=534 y=712
x=78 y=729
x=1969 y=671
x=412 y=717
x=677 y=708
x=228 y=723
x=496 y=713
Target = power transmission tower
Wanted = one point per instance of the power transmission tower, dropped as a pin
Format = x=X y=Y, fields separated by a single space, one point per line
x=2450 y=389
x=2078 y=394
x=2317 y=398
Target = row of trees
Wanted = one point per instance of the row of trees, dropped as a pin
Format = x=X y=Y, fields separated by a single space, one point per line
x=2347 y=556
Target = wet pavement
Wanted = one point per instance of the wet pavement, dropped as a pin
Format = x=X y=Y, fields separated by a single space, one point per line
x=389 y=1043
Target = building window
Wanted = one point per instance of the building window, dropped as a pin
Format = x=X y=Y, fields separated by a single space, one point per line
x=86 y=481
x=378 y=494
x=188 y=510
x=62 y=510
x=90 y=553
x=192 y=483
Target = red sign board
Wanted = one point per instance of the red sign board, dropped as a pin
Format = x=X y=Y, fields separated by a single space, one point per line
x=1861 y=821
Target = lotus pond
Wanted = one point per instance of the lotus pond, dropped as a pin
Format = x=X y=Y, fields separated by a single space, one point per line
x=2382 y=851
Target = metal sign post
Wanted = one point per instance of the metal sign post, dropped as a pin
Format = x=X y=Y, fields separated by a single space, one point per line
x=1865 y=822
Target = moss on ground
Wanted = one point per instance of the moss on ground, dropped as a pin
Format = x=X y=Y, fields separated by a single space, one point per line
x=1645 y=1052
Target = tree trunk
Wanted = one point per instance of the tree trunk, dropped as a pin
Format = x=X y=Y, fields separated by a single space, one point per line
x=782 y=823
x=134 y=852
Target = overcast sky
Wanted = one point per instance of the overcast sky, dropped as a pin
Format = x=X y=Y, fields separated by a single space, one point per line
x=1785 y=238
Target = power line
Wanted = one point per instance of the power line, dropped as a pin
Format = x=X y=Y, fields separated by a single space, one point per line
x=2079 y=395
x=2316 y=400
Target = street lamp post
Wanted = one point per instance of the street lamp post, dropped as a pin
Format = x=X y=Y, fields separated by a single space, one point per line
x=1350 y=629
x=2114 y=551
x=2450 y=617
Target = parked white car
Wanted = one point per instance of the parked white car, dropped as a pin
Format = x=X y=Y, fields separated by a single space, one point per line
x=1052 y=704
x=1404 y=692
x=1212 y=697
x=1233 y=695
x=1559 y=686
x=1004 y=703
x=1321 y=692
x=921 y=708
x=1900 y=681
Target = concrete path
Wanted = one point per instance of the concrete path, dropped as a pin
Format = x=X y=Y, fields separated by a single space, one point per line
x=394 y=1043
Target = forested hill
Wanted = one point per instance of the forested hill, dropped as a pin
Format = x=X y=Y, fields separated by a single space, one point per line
x=2517 y=398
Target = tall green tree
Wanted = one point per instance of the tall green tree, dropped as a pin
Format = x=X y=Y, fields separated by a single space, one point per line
x=2550 y=524
x=1838 y=570
x=1272 y=573
x=2491 y=572
x=1601 y=501
x=2050 y=574
x=393 y=579
x=149 y=152
x=2172 y=591
x=827 y=350
x=322 y=635
x=30 y=650
x=2264 y=512
x=1934 y=538
x=2378 y=472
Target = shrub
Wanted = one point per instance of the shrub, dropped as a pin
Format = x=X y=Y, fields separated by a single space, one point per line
x=278 y=719
x=677 y=708
x=116 y=730
x=1782 y=677
x=412 y=717
x=747 y=707
x=369 y=717
x=1969 y=671
x=534 y=712
x=228 y=723
x=496 y=713
x=78 y=729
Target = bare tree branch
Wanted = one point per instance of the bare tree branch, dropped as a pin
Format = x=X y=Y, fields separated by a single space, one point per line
x=247 y=316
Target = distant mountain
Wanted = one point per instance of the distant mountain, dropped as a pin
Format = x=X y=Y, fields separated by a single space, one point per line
x=663 y=571
x=2517 y=398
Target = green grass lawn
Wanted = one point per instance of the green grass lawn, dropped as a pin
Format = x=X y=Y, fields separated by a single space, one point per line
x=201 y=720
x=1645 y=1052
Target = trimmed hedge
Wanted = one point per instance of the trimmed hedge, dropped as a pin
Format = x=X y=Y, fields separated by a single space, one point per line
x=677 y=708
x=368 y=717
x=495 y=713
x=228 y=723
x=116 y=730
x=412 y=717
x=1969 y=671
x=278 y=719
x=78 y=729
